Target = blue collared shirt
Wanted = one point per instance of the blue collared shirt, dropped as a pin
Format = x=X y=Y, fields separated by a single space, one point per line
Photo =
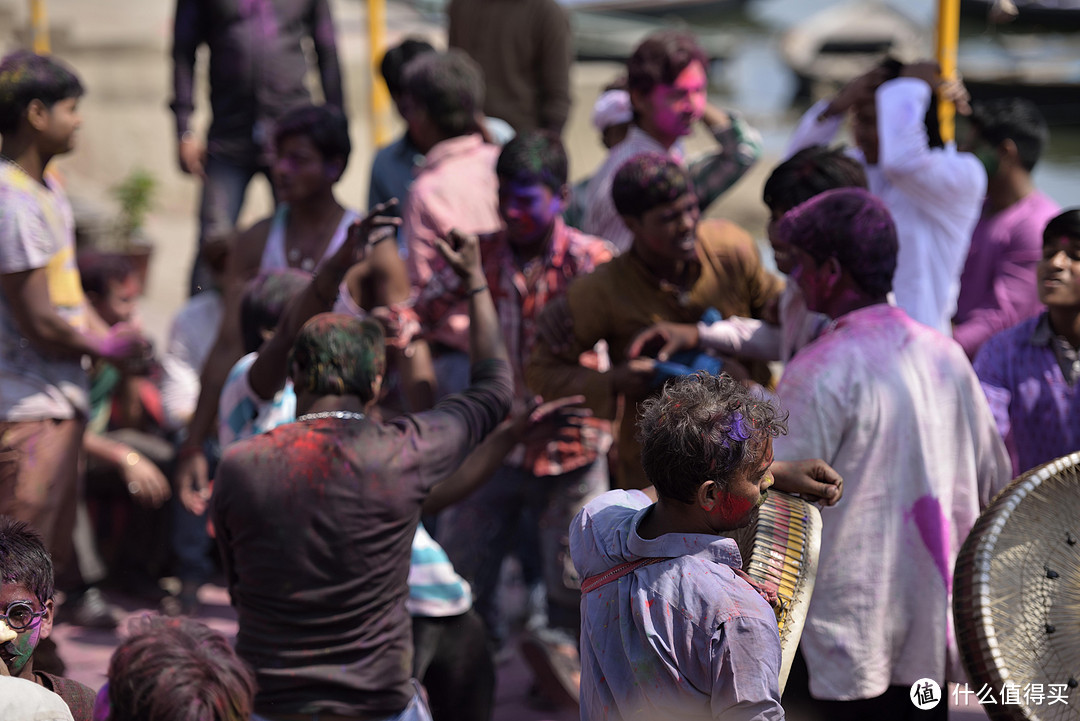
x=684 y=638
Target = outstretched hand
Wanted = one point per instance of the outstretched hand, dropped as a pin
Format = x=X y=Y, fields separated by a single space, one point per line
x=536 y=421
x=674 y=337
x=813 y=480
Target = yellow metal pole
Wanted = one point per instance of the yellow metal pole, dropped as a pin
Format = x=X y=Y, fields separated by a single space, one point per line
x=39 y=27
x=380 y=96
x=948 y=37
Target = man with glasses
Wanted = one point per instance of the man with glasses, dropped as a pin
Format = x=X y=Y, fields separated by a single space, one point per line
x=26 y=614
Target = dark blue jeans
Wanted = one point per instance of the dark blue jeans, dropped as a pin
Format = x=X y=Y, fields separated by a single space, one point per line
x=222 y=198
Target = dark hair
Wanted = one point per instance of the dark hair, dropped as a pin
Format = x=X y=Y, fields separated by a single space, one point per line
x=702 y=427
x=25 y=77
x=851 y=225
x=97 y=270
x=660 y=58
x=325 y=126
x=646 y=181
x=1014 y=119
x=24 y=560
x=176 y=669
x=1066 y=224
x=449 y=87
x=396 y=58
x=536 y=156
x=808 y=172
x=265 y=299
x=338 y=355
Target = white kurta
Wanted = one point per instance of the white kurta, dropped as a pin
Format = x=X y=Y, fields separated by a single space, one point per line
x=897 y=410
x=935 y=196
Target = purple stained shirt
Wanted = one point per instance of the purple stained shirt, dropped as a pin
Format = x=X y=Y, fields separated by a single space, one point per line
x=683 y=638
x=1036 y=407
x=997 y=287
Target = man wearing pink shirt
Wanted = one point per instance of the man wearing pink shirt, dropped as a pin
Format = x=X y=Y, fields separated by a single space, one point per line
x=997 y=287
x=455 y=187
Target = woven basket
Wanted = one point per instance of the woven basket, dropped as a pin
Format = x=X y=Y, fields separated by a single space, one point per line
x=1016 y=599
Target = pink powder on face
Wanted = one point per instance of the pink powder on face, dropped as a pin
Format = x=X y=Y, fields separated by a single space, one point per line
x=676 y=107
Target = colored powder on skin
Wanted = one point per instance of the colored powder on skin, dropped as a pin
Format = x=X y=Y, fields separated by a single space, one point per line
x=934 y=531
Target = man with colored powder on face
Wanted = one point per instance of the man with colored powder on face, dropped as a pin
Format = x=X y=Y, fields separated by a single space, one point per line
x=671 y=627
x=1031 y=372
x=26 y=613
x=676 y=269
x=527 y=265
x=896 y=409
x=668 y=81
x=315 y=519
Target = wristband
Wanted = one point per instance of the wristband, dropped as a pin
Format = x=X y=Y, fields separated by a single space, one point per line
x=474 y=291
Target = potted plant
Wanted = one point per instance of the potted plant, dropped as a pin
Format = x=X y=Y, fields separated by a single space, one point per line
x=125 y=236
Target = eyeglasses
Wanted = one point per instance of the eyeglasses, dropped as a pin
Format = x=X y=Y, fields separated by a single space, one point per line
x=20 y=616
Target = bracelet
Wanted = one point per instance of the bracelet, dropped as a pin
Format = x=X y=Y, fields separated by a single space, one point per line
x=474 y=291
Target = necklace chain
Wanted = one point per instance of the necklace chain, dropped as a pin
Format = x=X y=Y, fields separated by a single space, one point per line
x=14 y=162
x=343 y=415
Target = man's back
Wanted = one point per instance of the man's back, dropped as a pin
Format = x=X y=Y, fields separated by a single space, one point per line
x=693 y=640
x=315 y=520
x=895 y=408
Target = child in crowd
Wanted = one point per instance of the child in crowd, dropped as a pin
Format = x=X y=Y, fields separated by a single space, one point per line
x=175 y=670
x=46 y=324
x=26 y=613
x=670 y=628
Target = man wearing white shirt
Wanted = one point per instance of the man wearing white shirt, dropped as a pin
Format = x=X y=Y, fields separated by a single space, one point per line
x=934 y=194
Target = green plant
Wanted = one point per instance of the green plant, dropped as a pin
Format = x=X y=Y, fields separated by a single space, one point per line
x=135 y=193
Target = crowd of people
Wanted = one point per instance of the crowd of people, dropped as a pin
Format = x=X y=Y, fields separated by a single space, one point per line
x=361 y=413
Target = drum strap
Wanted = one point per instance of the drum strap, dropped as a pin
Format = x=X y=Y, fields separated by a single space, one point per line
x=613 y=574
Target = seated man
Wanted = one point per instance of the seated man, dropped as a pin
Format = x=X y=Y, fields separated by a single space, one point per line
x=670 y=628
x=895 y=408
x=175 y=670
x=1030 y=372
x=315 y=519
x=26 y=613
x=675 y=270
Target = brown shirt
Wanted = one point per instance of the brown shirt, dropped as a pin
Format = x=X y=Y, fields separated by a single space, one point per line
x=524 y=49
x=623 y=297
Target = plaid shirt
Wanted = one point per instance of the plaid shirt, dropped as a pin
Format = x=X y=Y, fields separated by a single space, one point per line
x=520 y=294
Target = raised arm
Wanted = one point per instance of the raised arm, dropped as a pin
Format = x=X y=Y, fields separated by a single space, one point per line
x=268 y=373
x=738 y=148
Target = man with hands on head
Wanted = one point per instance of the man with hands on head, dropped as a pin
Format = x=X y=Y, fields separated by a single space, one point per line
x=667 y=77
x=934 y=194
